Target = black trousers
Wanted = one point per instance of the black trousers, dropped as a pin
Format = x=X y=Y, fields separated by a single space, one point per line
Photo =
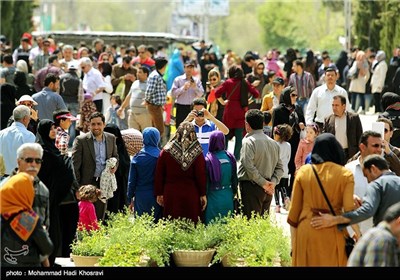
x=254 y=198
x=181 y=113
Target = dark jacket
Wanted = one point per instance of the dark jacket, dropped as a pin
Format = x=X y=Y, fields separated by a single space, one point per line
x=353 y=130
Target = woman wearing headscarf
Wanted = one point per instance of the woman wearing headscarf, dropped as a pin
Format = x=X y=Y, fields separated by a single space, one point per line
x=180 y=181
x=258 y=80
x=391 y=105
x=236 y=88
x=326 y=247
x=222 y=178
x=24 y=242
x=379 y=70
x=142 y=173
x=288 y=112
x=57 y=174
x=118 y=201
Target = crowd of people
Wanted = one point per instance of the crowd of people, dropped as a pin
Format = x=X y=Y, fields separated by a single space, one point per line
x=89 y=132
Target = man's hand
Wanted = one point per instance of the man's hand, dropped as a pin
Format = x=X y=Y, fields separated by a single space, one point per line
x=34 y=114
x=160 y=200
x=113 y=170
x=130 y=77
x=190 y=117
x=269 y=187
x=323 y=221
x=203 y=202
x=357 y=201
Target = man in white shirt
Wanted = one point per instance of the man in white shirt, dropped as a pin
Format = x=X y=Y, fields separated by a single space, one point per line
x=321 y=99
x=370 y=143
x=93 y=82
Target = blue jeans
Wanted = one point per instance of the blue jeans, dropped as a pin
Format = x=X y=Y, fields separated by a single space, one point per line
x=303 y=104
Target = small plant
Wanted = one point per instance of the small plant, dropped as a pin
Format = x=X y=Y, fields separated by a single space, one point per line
x=137 y=241
x=252 y=242
x=90 y=243
x=190 y=236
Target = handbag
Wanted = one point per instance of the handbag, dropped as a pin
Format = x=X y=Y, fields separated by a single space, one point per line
x=349 y=241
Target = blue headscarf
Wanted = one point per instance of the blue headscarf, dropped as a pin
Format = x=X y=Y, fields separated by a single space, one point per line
x=213 y=165
x=151 y=139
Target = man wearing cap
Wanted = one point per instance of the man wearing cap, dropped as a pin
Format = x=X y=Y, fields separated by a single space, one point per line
x=185 y=89
x=71 y=91
x=29 y=102
x=63 y=120
x=271 y=100
x=321 y=99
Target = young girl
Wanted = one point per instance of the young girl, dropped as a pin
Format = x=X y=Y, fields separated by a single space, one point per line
x=111 y=113
x=282 y=134
x=87 y=214
x=306 y=145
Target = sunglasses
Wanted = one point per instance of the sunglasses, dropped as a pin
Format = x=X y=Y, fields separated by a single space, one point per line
x=30 y=160
x=386 y=130
x=293 y=95
x=377 y=145
x=214 y=80
x=29 y=104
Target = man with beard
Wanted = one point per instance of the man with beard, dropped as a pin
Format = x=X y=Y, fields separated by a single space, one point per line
x=89 y=154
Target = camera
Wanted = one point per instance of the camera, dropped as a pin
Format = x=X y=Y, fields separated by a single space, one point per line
x=191 y=80
x=200 y=113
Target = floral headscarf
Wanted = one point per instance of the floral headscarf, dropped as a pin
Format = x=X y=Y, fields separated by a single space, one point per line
x=184 y=146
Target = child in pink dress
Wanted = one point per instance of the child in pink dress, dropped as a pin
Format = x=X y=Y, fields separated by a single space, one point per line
x=87 y=214
x=306 y=145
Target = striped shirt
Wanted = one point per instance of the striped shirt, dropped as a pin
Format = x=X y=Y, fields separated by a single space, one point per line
x=203 y=133
x=304 y=84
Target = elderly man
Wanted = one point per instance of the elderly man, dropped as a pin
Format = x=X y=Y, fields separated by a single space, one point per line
x=29 y=158
x=12 y=137
x=346 y=126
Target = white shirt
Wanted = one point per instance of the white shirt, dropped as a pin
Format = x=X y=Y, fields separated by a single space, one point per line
x=321 y=102
x=285 y=153
x=92 y=81
x=360 y=189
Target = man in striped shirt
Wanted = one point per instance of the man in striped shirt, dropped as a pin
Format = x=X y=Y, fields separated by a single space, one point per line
x=303 y=82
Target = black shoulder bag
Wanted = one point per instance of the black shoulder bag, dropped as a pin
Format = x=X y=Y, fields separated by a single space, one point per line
x=349 y=241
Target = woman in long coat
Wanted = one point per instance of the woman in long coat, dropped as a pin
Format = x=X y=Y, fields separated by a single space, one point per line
x=118 y=201
x=234 y=88
x=323 y=247
x=142 y=173
x=180 y=182
x=57 y=174
x=222 y=178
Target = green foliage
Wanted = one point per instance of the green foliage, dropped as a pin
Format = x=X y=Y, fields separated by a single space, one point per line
x=190 y=236
x=367 y=24
x=16 y=19
x=93 y=243
x=258 y=241
x=302 y=25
